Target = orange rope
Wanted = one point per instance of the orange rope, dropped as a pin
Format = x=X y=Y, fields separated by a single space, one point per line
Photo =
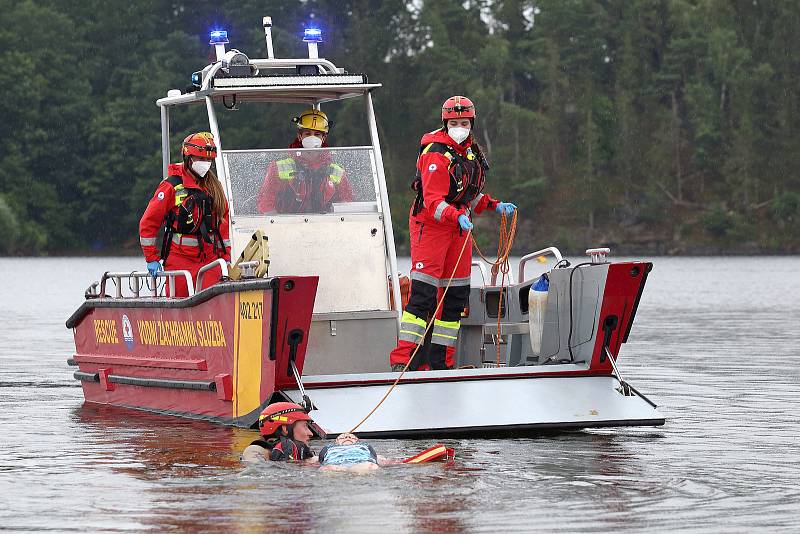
x=427 y=329
x=501 y=264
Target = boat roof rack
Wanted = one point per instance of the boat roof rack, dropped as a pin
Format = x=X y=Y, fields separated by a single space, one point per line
x=290 y=79
x=327 y=84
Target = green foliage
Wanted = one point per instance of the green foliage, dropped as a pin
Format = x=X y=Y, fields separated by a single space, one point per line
x=603 y=114
x=727 y=225
x=786 y=207
x=9 y=228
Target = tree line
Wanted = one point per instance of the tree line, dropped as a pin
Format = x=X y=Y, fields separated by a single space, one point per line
x=658 y=126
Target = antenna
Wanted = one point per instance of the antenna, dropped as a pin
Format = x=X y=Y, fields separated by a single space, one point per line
x=268 y=35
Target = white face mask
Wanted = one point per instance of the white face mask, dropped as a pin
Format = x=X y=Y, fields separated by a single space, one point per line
x=458 y=134
x=312 y=141
x=201 y=167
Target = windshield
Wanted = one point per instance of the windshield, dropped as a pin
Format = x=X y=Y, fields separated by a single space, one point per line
x=296 y=181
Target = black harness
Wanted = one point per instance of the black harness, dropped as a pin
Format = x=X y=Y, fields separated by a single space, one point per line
x=467 y=175
x=195 y=217
x=290 y=448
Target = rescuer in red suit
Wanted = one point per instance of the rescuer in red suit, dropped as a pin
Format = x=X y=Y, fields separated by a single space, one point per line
x=284 y=435
x=189 y=214
x=308 y=181
x=451 y=173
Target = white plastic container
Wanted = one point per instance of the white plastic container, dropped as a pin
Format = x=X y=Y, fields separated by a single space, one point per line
x=537 y=304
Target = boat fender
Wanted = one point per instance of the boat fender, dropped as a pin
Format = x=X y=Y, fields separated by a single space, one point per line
x=537 y=304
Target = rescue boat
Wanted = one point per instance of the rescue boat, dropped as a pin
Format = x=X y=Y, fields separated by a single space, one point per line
x=318 y=329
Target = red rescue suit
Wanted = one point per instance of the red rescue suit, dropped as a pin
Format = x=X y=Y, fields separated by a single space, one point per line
x=305 y=183
x=450 y=182
x=187 y=252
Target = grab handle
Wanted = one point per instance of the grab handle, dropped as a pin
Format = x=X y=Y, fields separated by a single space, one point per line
x=533 y=255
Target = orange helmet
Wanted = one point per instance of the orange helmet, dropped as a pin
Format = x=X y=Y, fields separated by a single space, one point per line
x=280 y=414
x=199 y=144
x=457 y=107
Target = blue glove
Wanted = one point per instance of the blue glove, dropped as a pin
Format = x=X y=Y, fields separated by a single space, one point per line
x=153 y=267
x=506 y=207
x=464 y=222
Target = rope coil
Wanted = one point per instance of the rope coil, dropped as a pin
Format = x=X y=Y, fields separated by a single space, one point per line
x=501 y=264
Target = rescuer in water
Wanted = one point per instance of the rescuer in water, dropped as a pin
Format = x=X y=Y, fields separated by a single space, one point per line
x=189 y=214
x=285 y=434
x=307 y=181
x=451 y=174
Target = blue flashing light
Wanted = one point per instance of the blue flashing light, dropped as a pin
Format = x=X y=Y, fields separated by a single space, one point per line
x=312 y=35
x=197 y=78
x=218 y=37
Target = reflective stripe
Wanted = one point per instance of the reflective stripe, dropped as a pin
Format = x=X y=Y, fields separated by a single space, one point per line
x=180 y=194
x=411 y=319
x=475 y=201
x=147 y=241
x=445 y=332
x=410 y=337
x=412 y=328
x=286 y=168
x=336 y=172
x=226 y=242
x=179 y=239
x=428 y=279
x=446 y=154
x=439 y=282
x=440 y=210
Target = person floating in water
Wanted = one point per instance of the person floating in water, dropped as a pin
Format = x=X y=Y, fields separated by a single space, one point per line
x=285 y=432
x=348 y=453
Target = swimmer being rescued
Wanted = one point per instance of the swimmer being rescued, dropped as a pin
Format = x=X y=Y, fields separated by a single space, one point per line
x=285 y=433
x=348 y=453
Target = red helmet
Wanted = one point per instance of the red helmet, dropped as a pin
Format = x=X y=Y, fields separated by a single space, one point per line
x=457 y=107
x=199 y=144
x=280 y=414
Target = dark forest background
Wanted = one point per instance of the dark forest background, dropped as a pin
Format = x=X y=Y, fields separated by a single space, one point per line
x=653 y=126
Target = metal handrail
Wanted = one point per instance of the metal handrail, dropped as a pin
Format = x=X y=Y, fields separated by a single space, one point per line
x=291 y=63
x=525 y=259
x=223 y=265
x=482 y=268
x=510 y=276
x=138 y=277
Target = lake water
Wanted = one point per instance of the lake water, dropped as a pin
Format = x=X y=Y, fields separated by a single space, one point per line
x=715 y=344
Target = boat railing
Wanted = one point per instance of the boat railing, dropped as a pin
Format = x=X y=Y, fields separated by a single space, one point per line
x=223 y=265
x=482 y=268
x=533 y=255
x=138 y=280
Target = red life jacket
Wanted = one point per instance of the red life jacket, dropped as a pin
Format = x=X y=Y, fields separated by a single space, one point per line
x=467 y=168
x=194 y=217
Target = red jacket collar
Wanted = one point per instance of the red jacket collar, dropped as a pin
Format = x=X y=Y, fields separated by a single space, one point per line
x=189 y=180
x=440 y=136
